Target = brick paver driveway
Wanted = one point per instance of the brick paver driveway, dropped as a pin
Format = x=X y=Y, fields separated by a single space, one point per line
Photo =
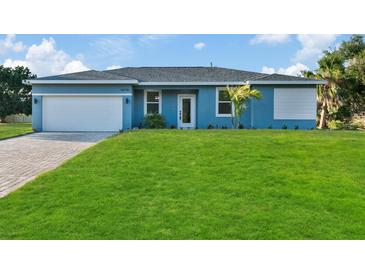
x=23 y=158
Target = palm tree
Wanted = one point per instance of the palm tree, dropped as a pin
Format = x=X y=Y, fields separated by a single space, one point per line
x=330 y=69
x=239 y=96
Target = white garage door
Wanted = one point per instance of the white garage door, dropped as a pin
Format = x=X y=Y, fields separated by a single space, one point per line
x=295 y=103
x=82 y=113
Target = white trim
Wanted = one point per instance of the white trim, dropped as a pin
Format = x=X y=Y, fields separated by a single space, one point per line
x=239 y=83
x=145 y=100
x=190 y=83
x=217 y=114
x=261 y=82
x=78 y=82
x=308 y=82
x=81 y=94
x=192 y=97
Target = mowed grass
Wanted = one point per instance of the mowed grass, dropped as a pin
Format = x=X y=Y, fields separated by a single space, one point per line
x=14 y=129
x=201 y=184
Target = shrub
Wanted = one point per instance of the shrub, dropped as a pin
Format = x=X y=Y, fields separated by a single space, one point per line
x=269 y=127
x=348 y=125
x=284 y=127
x=224 y=127
x=172 y=126
x=241 y=126
x=296 y=127
x=210 y=126
x=154 y=121
x=352 y=126
x=336 y=124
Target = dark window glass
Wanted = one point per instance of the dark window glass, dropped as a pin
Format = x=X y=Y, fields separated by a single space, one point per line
x=223 y=95
x=152 y=108
x=186 y=117
x=225 y=108
x=153 y=97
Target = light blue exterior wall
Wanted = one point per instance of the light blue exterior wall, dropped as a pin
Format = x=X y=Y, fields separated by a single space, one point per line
x=263 y=114
x=82 y=89
x=206 y=110
x=205 y=106
x=37 y=113
x=259 y=113
x=138 y=105
x=169 y=104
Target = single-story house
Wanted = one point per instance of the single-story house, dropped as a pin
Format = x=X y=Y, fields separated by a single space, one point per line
x=188 y=97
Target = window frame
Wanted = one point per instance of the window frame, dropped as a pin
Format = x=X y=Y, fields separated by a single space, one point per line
x=217 y=102
x=159 y=101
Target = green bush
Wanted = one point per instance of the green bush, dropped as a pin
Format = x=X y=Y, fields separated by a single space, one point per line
x=154 y=121
x=352 y=126
x=210 y=126
x=337 y=124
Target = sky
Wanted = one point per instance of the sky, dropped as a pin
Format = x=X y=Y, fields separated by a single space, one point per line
x=50 y=54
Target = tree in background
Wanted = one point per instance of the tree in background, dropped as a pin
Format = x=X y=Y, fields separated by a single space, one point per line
x=352 y=86
x=239 y=97
x=344 y=70
x=15 y=97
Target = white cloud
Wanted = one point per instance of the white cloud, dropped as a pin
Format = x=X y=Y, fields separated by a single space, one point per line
x=113 y=67
x=294 y=70
x=267 y=70
x=9 y=44
x=74 y=66
x=199 y=46
x=45 y=59
x=313 y=45
x=14 y=63
x=271 y=39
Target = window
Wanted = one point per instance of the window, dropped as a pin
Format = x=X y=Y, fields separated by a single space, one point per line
x=224 y=105
x=152 y=101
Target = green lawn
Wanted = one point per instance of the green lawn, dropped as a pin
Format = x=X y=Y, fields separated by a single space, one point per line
x=202 y=184
x=12 y=130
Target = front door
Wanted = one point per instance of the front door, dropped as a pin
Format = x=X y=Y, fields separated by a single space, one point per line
x=186 y=111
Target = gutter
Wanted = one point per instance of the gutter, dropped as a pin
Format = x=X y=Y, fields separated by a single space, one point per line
x=309 y=82
x=79 y=82
x=136 y=82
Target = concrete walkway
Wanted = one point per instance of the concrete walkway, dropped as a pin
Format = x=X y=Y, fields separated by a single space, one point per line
x=23 y=158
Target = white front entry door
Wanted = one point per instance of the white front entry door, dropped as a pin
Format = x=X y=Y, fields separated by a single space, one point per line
x=186 y=111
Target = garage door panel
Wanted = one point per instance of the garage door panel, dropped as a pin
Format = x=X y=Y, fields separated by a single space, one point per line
x=83 y=113
x=295 y=103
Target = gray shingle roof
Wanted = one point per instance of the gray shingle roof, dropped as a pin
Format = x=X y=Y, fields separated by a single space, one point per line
x=282 y=77
x=185 y=74
x=86 y=75
x=176 y=74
